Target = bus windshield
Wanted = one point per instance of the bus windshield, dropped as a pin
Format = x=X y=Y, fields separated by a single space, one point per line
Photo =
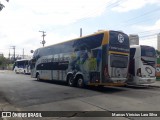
x=21 y=63
x=147 y=51
x=119 y=61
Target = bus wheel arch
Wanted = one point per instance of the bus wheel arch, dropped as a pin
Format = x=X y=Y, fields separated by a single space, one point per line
x=38 y=76
x=80 y=81
x=70 y=80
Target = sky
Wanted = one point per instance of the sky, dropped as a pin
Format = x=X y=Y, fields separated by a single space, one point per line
x=21 y=21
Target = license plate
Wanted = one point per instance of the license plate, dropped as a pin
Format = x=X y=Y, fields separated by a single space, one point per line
x=149 y=80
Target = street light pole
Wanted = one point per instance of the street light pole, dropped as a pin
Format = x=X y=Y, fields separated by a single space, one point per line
x=43 y=35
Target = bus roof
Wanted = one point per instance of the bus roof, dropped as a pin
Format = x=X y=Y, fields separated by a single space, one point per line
x=137 y=46
x=23 y=59
x=96 y=33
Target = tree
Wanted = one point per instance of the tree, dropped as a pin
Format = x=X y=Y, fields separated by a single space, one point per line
x=2 y=6
x=4 y=62
x=157 y=53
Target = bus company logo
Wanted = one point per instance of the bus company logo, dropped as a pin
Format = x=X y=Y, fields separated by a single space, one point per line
x=148 y=70
x=120 y=38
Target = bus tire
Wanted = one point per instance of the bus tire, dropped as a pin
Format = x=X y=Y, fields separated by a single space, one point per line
x=100 y=86
x=38 y=77
x=80 y=82
x=71 y=81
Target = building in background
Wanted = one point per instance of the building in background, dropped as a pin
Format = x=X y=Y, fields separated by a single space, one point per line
x=134 y=39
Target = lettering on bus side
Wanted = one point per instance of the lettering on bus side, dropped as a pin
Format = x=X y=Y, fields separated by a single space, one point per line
x=60 y=59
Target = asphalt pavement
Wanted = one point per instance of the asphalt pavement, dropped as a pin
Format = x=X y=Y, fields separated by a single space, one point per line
x=156 y=84
x=87 y=103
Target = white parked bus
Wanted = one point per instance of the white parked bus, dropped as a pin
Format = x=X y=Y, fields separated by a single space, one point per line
x=99 y=59
x=22 y=66
x=142 y=67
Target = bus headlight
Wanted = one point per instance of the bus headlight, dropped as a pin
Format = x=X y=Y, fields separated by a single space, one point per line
x=139 y=72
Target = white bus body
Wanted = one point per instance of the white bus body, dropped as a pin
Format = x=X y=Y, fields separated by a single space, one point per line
x=142 y=65
x=22 y=66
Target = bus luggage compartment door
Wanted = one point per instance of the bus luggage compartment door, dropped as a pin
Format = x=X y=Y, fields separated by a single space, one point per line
x=94 y=77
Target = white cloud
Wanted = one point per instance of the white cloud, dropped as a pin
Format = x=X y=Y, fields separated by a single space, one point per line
x=21 y=20
x=151 y=35
x=148 y=27
x=128 y=5
x=56 y=12
x=149 y=41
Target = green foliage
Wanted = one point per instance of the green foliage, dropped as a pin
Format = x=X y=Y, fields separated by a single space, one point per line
x=158 y=52
x=4 y=61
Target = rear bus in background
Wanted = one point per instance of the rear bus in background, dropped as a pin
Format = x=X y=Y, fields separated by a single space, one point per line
x=99 y=59
x=142 y=67
x=22 y=66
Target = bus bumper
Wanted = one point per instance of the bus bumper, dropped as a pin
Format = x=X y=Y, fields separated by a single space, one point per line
x=107 y=84
x=111 y=82
x=118 y=80
x=146 y=80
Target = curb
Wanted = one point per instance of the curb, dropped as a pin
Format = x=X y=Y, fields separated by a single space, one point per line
x=154 y=86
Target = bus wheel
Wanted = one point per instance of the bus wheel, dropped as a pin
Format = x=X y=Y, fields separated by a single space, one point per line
x=100 y=86
x=71 y=81
x=80 y=82
x=38 y=77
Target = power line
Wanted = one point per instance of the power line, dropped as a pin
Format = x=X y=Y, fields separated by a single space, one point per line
x=140 y=21
x=146 y=13
x=148 y=35
x=148 y=31
x=123 y=24
x=109 y=4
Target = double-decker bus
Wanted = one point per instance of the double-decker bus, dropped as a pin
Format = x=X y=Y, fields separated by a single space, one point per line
x=99 y=59
x=142 y=67
x=22 y=66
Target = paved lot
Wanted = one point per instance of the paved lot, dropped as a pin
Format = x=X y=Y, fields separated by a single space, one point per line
x=22 y=93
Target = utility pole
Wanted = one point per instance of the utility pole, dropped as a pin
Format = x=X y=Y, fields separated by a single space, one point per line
x=14 y=47
x=9 y=54
x=80 y=32
x=43 y=35
x=23 y=53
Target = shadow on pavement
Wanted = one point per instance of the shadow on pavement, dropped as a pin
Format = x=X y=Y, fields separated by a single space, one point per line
x=106 y=89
